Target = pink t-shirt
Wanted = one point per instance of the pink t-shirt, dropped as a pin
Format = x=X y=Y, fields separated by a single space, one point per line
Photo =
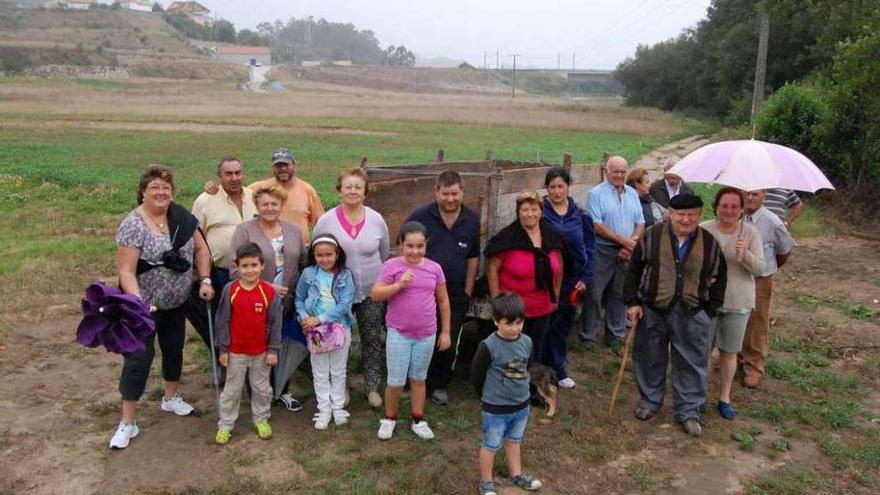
x=413 y=310
x=518 y=275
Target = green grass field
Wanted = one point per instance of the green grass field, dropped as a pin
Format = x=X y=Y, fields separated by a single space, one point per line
x=63 y=189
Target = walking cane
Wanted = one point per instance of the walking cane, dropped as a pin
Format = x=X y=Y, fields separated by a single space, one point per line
x=627 y=345
x=213 y=355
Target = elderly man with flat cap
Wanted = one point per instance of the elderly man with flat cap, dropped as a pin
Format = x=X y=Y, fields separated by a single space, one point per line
x=674 y=284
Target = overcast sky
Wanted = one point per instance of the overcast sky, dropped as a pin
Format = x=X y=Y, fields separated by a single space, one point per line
x=600 y=33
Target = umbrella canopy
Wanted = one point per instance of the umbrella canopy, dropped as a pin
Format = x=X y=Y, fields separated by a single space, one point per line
x=751 y=165
x=118 y=321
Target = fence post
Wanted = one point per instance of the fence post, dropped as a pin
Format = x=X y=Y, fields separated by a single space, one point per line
x=440 y=155
x=364 y=162
x=566 y=160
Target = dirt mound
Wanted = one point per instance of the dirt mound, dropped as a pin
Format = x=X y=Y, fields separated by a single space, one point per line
x=405 y=79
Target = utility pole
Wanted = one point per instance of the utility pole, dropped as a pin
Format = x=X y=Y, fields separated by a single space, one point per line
x=497 y=59
x=514 y=71
x=558 y=61
x=760 y=68
x=572 y=60
x=485 y=63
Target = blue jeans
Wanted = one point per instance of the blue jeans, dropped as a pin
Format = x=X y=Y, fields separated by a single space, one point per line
x=498 y=428
x=407 y=358
x=555 y=348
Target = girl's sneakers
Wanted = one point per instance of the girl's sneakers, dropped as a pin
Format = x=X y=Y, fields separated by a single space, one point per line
x=322 y=419
x=223 y=435
x=422 y=430
x=124 y=433
x=264 y=431
x=386 y=428
x=340 y=417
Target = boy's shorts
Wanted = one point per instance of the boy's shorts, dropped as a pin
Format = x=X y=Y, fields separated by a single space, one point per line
x=498 y=428
x=407 y=358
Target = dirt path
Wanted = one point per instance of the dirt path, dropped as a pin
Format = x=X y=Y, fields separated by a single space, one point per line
x=654 y=160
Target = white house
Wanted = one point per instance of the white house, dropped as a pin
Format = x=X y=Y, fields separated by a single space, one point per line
x=139 y=5
x=194 y=10
x=70 y=4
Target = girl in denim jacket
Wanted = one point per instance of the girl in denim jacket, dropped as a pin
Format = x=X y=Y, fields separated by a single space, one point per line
x=324 y=295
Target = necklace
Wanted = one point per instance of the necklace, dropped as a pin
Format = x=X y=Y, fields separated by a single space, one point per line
x=159 y=225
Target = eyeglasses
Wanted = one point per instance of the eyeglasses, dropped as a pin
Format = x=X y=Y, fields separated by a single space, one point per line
x=159 y=188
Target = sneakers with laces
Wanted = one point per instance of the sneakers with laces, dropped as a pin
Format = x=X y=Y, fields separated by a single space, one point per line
x=386 y=428
x=289 y=402
x=223 y=435
x=340 y=417
x=176 y=405
x=124 y=433
x=488 y=488
x=322 y=420
x=422 y=430
x=440 y=397
x=567 y=382
x=264 y=430
x=526 y=482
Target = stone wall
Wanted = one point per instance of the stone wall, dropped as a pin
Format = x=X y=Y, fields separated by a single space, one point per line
x=77 y=71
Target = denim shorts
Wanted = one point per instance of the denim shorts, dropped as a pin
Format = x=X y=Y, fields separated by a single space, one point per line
x=407 y=358
x=498 y=428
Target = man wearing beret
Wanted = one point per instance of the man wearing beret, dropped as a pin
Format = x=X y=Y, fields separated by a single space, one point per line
x=674 y=285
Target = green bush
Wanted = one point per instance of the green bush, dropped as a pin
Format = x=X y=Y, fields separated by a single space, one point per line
x=795 y=116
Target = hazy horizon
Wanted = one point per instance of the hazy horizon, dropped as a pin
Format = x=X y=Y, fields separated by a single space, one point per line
x=600 y=34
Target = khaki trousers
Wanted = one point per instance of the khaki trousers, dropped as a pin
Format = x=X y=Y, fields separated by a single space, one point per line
x=261 y=391
x=755 y=344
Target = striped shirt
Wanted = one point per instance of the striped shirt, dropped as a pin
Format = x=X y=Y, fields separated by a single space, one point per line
x=619 y=213
x=779 y=201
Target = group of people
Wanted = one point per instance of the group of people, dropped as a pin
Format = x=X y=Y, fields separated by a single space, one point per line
x=285 y=280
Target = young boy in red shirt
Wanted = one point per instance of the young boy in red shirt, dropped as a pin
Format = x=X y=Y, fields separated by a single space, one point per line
x=248 y=333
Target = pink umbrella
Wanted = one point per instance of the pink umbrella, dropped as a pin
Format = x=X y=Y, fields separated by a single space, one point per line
x=751 y=165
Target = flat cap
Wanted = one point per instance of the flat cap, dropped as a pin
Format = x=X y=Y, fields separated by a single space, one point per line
x=685 y=202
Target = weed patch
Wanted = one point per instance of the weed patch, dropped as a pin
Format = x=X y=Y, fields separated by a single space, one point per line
x=794 y=481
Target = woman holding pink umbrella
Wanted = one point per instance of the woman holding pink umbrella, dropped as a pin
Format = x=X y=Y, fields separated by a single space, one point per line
x=744 y=254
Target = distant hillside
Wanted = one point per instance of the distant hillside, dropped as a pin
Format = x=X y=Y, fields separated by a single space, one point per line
x=405 y=79
x=141 y=42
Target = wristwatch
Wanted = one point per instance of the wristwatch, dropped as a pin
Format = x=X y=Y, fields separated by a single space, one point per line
x=205 y=280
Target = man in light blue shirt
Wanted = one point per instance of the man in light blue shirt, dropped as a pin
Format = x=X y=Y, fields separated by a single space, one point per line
x=618 y=223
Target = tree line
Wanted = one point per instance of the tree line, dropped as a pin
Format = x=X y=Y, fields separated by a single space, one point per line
x=823 y=71
x=301 y=39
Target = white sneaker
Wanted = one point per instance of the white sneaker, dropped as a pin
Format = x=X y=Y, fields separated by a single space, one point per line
x=322 y=420
x=340 y=416
x=422 y=430
x=124 y=433
x=177 y=406
x=386 y=428
x=567 y=383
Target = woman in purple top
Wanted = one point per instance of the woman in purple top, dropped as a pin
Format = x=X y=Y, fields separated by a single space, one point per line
x=363 y=235
x=414 y=287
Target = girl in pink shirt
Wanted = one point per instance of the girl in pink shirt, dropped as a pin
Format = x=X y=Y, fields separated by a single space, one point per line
x=415 y=288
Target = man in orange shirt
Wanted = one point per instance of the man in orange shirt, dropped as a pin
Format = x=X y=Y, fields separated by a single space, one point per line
x=303 y=206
